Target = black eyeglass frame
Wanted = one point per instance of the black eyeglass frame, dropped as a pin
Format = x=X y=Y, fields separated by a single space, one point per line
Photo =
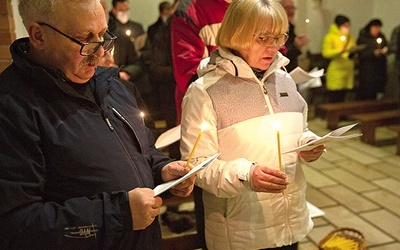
x=83 y=44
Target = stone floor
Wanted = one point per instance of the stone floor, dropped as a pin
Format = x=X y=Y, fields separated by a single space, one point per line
x=357 y=185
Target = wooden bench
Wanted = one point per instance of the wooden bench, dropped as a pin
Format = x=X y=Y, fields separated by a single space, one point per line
x=397 y=129
x=334 y=112
x=370 y=121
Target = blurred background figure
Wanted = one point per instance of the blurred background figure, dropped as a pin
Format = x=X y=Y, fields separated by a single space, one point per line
x=161 y=74
x=194 y=27
x=394 y=47
x=119 y=20
x=336 y=48
x=372 y=62
x=164 y=11
x=295 y=42
x=127 y=51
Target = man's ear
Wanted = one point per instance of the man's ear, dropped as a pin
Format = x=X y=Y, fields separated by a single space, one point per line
x=36 y=36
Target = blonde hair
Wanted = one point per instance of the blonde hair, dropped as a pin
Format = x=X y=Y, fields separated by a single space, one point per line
x=245 y=19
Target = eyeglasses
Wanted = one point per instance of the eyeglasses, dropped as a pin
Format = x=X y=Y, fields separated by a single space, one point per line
x=89 y=48
x=269 y=40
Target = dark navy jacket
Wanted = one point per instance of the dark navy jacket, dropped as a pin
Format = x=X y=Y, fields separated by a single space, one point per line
x=67 y=162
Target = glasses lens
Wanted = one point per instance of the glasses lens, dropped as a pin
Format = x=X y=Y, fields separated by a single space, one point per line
x=108 y=44
x=282 y=39
x=89 y=49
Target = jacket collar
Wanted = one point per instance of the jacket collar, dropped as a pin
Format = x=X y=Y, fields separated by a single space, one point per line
x=236 y=66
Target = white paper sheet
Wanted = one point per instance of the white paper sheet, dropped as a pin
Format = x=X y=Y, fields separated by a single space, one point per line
x=165 y=186
x=333 y=136
x=300 y=76
x=314 y=211
x=168 y=137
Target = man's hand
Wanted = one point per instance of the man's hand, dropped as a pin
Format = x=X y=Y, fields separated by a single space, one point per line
x=268 y=180
x=173 y=171
x=144 y=207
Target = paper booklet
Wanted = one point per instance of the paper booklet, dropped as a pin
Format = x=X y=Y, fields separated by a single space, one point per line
x=165 y=186
x=333 y=136
x=168 y=137
x=299 y=75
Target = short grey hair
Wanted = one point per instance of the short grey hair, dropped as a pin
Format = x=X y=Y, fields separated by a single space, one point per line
x=44 y=10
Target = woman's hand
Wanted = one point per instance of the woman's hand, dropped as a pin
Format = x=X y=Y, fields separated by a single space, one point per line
x=268 y=180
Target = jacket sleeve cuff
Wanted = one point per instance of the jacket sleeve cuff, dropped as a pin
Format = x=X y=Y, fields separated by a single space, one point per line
x=245 y=172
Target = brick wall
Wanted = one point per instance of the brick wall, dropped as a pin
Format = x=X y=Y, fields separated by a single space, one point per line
x=7 y=33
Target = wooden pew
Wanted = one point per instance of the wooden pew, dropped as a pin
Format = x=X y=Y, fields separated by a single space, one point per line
x=334 y=112
x=397 y=129
x=370 y=121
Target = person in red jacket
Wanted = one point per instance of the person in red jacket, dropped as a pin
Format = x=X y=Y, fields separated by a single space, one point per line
x=194 y=27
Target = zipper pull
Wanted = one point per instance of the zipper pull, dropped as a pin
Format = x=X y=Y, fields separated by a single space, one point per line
x=110 y=126
x=265 y=89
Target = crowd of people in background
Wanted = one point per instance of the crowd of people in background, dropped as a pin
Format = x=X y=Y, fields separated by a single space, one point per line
x=185 y=32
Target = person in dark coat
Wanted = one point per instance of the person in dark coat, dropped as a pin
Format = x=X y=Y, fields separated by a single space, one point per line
x=294 y=44
x=119 y=20
x=372 y=61
x=164 y=9
x=77 y=165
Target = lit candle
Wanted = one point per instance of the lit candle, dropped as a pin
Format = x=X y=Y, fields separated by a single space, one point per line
x=307 y=22
x=379 y=42
x=277 y=126
x=128 y=32
x=203 y=127
x=142 y=115
x=342 y=38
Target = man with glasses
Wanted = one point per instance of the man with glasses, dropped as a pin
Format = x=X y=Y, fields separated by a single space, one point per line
x=77 y=165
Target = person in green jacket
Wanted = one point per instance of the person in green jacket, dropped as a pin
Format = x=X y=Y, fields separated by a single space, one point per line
x=336 y=47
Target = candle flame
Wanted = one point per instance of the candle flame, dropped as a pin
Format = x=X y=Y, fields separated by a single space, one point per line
x=142 y=114
x=342 y=38
x=307 y=20
x=277 y=125
x=379 y=40
x=128 y=32
x=203 y=126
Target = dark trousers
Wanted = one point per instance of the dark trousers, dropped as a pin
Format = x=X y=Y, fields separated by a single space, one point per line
x=199 y=211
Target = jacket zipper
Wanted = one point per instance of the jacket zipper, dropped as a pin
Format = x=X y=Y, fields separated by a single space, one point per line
x=122 y=118
x=110 y=126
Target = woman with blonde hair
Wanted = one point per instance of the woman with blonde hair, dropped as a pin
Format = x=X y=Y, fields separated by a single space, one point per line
x=251 y=201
